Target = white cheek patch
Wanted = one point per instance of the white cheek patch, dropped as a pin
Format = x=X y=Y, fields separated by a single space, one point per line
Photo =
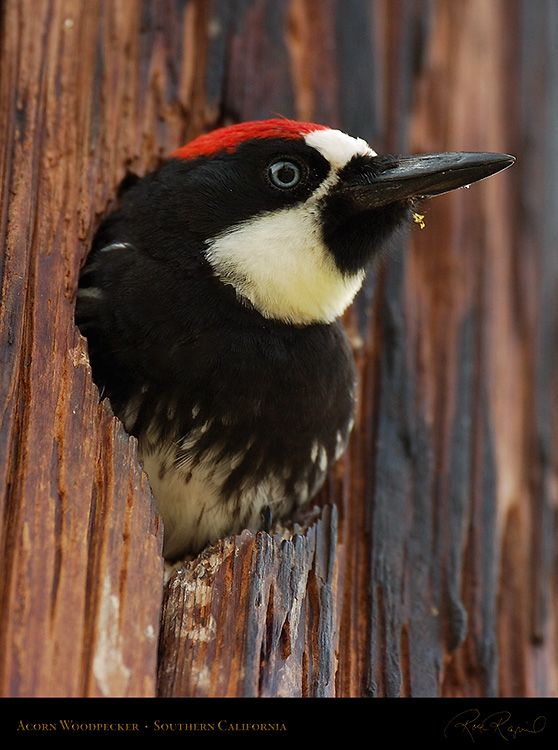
x=279 y=262
x=338 y=147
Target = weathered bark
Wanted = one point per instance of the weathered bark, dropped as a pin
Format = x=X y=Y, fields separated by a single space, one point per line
x=79 y=536
x=442 y=515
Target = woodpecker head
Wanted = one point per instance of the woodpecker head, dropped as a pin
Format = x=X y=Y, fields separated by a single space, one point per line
x=291 y=215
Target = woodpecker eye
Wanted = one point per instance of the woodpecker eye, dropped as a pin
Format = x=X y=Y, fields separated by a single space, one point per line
x=284 y=174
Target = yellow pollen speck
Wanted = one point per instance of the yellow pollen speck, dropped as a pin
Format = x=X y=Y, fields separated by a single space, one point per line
x=419 y=219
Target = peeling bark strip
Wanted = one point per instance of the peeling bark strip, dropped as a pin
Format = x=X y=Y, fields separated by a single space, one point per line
x=431 y=568
x=274 y=635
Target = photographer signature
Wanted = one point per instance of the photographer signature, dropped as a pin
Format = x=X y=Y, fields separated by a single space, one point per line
x=500 y=723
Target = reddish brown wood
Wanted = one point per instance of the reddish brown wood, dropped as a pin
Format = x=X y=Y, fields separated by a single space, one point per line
x=80 y=541
x=253 y=617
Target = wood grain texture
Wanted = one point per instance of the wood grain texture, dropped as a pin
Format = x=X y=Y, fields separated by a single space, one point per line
x=79 y=534
x=429 y=566
x=253 y=617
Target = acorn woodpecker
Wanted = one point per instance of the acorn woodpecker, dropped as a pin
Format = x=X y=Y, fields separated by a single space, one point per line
x=211 y=302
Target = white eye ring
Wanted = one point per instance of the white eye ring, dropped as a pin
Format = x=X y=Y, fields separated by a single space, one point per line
x=284 y=174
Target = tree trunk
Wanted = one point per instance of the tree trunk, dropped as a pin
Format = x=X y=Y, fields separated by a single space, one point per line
x=427 y=567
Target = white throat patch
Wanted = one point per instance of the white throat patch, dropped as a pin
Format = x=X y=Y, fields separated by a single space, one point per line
x=278 y=260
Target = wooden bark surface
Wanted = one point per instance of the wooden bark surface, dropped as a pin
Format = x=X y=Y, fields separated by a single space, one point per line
x=80 y=542
x=429 y=567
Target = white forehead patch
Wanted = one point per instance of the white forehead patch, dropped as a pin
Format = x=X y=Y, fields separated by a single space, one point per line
x=338 y=147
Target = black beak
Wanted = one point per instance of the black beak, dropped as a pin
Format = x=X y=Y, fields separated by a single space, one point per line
x=383 y=181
